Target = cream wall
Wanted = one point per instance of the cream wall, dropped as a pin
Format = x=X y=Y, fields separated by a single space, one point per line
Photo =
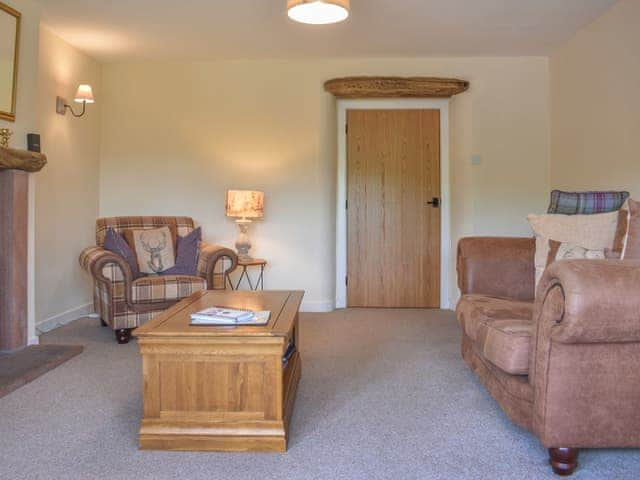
x=595 y=88
x=176 y=136
x=66 y=200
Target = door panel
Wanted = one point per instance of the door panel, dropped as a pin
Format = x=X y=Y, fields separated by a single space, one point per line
x=393 y=235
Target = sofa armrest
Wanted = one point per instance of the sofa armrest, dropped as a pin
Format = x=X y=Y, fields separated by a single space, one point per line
x=94 y=259
x=600 y=300
x=585 y=354
x=498 y=266
x=209 y=257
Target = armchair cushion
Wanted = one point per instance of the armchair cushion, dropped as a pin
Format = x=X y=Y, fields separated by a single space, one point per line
x=154 y=248
x=165 y=288
x=187 y=254
x=115 y=243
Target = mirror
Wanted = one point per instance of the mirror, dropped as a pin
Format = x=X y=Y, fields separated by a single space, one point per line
x=9 y=43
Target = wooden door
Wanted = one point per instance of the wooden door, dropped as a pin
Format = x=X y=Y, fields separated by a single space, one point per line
x=393 y=233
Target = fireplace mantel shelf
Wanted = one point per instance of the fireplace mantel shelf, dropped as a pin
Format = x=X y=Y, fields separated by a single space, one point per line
x=14 y=159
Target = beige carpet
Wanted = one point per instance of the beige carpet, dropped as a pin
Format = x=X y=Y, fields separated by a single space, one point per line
x=375 y=402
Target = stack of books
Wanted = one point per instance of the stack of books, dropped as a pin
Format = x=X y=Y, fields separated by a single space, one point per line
x=230 y=316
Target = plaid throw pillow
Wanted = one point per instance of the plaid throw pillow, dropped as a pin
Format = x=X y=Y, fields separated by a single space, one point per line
x=586 y=203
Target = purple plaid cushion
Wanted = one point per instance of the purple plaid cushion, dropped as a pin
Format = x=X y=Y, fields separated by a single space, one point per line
x=586 y=203
x=114 y=242
x=187 y=255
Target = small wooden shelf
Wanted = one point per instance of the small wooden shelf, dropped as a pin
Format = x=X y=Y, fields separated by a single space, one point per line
x=395 y=87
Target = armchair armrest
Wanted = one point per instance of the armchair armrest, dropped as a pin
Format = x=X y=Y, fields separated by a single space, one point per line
x=498 y=266
x=601 y=301
x=94 y=259
x=209 y=257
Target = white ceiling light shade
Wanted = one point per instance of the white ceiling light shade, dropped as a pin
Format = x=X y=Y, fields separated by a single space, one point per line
x=318 y=12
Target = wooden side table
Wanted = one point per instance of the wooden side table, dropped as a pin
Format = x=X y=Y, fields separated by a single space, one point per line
x=245 y=265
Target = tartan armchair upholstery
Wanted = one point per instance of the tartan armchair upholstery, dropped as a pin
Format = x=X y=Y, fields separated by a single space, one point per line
x=124 y=303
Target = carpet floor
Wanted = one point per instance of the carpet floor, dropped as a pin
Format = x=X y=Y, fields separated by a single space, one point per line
x=384 y=395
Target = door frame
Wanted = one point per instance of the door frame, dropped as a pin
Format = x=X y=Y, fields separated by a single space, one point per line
x=441 y=104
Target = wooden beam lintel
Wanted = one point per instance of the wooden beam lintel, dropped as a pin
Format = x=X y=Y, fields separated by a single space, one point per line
x=395 y=87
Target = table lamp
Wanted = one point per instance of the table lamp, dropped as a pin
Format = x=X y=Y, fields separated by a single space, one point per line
x=244 y=205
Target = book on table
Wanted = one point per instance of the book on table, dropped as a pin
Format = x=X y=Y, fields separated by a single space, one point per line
x=230 y=316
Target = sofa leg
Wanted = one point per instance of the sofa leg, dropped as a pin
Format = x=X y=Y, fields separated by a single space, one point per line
x=123 y=335
x=103 y=323
x=563 y=460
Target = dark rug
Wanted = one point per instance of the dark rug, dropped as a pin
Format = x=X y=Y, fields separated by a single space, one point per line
x=24 y=366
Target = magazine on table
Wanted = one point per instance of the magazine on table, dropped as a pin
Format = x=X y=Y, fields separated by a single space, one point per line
x=230 y=316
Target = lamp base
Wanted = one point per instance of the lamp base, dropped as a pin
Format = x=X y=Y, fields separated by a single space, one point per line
x=243 y=244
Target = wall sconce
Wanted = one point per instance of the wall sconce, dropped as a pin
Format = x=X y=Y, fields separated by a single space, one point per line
x=84 y=95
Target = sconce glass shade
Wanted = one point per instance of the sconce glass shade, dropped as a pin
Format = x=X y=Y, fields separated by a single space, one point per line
x=318 y=12
x=84 y=94
x=244 y=204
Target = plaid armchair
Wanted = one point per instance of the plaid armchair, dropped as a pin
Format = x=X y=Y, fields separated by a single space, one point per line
x=124 y=303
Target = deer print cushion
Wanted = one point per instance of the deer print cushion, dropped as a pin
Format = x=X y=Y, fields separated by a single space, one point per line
x=154 y=248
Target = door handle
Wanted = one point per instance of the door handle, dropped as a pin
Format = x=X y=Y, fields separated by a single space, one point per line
x=435 y=202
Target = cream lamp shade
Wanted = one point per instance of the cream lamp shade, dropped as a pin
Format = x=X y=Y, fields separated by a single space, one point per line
x=318 y=12
x=84 y=94
x=245 y=204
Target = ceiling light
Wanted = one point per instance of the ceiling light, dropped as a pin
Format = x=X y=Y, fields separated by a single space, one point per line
x=318 y=12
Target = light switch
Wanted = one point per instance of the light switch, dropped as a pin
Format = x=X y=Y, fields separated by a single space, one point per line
x=476 y=160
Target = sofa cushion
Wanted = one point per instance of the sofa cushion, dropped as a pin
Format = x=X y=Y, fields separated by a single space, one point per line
x=592 y=232
x=586 y=203
x=506 y=344
x=166 y=288
x=631 y=249
x=568 y=251
x=475 y=310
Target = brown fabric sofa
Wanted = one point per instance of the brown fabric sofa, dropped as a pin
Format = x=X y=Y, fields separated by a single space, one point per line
x=565 y=366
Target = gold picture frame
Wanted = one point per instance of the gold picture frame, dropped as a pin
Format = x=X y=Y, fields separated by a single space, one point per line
x=11 y=114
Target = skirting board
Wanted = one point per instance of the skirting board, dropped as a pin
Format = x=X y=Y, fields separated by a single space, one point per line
x=87 y=309
x=64 y=318
x=317 y=306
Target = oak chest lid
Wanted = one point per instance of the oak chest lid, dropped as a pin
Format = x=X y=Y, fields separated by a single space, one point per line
x=175 y=322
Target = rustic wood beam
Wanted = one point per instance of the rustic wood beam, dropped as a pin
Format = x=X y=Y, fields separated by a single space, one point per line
x=13 y=159
x=395 y=87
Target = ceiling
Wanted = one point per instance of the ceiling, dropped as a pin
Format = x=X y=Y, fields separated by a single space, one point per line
x=129 y=30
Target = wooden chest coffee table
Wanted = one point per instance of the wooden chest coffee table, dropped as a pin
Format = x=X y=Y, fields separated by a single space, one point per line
x=220 y=388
